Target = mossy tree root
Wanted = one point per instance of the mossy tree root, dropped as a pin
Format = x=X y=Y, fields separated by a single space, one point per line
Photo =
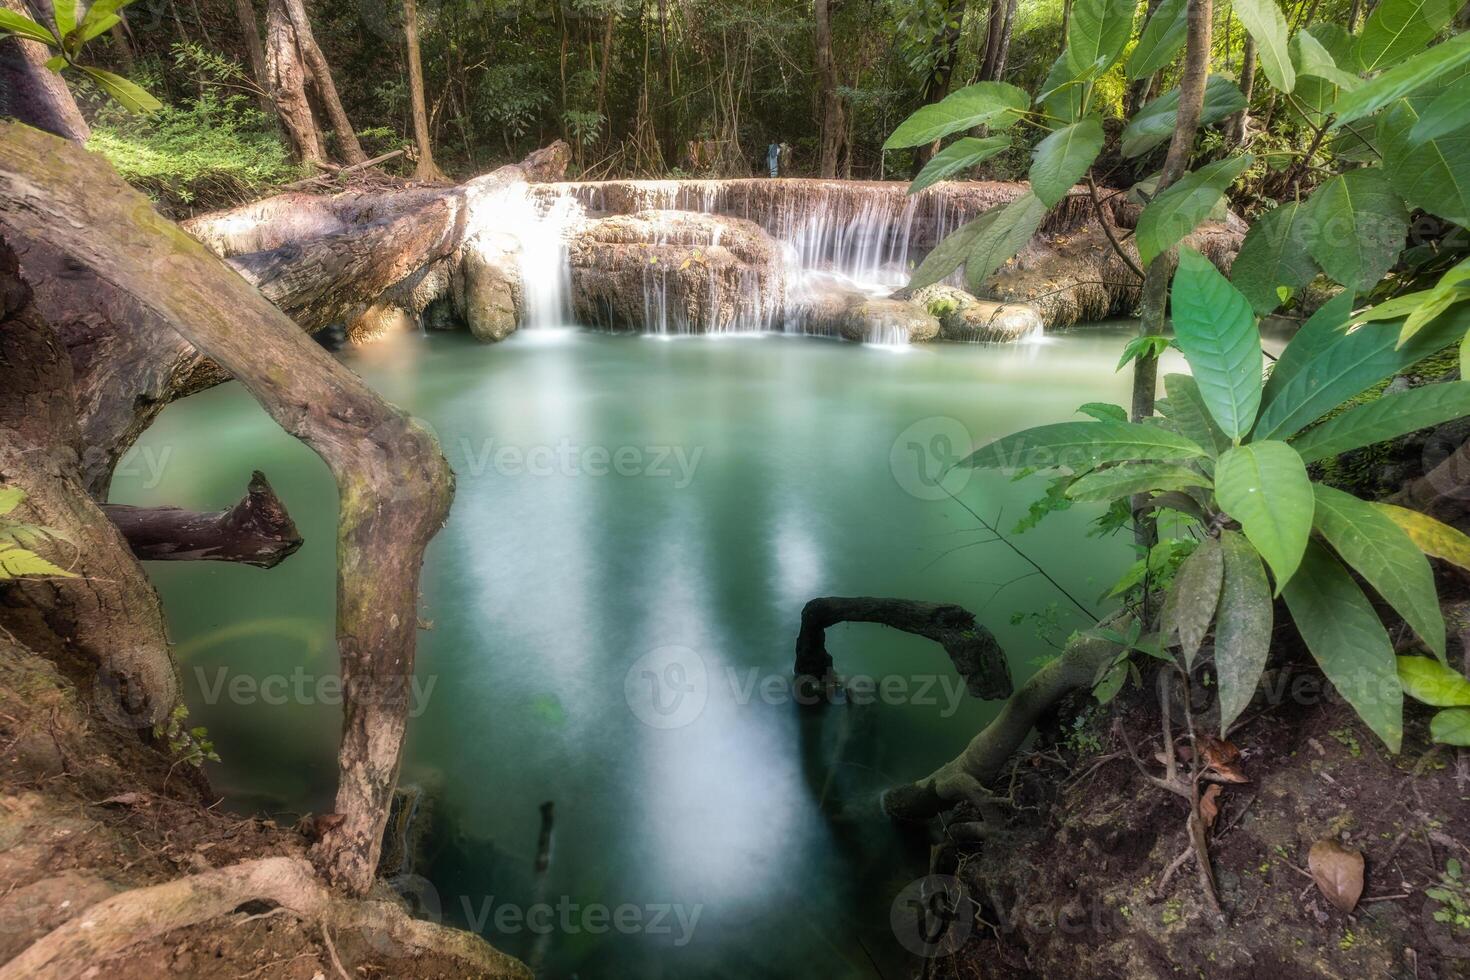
x=113 y=925
x=973 y=648
x=985 y=758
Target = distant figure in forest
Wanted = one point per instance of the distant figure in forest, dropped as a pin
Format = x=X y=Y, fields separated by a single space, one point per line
x=773 y=159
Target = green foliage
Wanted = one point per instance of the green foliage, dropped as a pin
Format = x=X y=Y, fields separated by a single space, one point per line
x=994 y=104
x=212 y=151
x=1063 y=158
x=1163 y=38
x=959 y=155
x=1264 y=21
x=1435 y=684
x=1154 y=123
x=17 y=539
x=1217 y=333
x=1178 y=210
x=1274 y=255
x=68 y=35
x=190 y=746
x=1452 y=895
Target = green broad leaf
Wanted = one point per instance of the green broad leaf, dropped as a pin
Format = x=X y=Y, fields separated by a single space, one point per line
x=1097 y=33
x=124 y=92
x=1433 y=175
x=1102 y=411
x=1180 y=208
x=10 y=498
x=1242 y=627
x=995 y=104
x=1355 y=227
x=1082 y=446
x=1265 y=487
x=1274 y=254
x=100 y=17
x=65 y=12
x=1186 y=409
x=1190 y=607
x=1264 y=21
x=1322 y=329
x=1111 y=680
x=1216 y=330
x=1003 y=238
x=1064 y=93
x=951 y=253
x=957 y=156
x=13 y=23
x=16 y=562
x=1451 y=727
x=1348 y=642
x=1313 y=60
x=1397 y=29
x=1432 y=537
x=1433 y=683
x=1379 y=550
x=1450 y=111
x=1161 y=40
x=1063 y=158
x=1385 y=418
x=1397 y=82
x=1465 y=357
x=1154 y=123
x=1126 y=479
x=1346 y=365
x=1143 y=346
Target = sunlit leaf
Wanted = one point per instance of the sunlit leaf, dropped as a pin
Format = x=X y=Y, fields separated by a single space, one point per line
x=1451 y=727
x=1434 y=538
x=1433 y=682
x=10 y=498
x=16 y=562
x=1402 y=80
x=1348 y=641
x=1264 y=21
x=995 y=104
x=1097 y=32
x=1398 y=28
x=1264 y=486
x=14 y=23
x=1003 y=238
x=1161 y=40
x=126 y=94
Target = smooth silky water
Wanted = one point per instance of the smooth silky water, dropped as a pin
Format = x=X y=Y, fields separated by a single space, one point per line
x=622 y=643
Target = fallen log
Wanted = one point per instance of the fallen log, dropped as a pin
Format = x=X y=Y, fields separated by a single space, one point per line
x=256 y=531
x=972 y=648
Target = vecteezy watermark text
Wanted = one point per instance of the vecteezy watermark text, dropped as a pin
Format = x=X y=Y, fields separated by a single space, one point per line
x=569 y=918
x=303 y=688
x=567 y=459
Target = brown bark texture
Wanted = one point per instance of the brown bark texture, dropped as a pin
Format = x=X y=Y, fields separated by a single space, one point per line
x=256 y=531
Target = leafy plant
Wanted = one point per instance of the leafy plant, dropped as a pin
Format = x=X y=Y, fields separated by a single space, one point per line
x=1452 y=895
x=1438 y=685
x=189 y=745
x=66 y=35
x=18 y=538
x=1228 y=454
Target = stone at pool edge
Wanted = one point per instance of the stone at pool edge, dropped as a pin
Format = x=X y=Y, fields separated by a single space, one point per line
x=965 y=317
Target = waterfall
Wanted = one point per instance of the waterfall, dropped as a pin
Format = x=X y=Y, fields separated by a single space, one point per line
x=545 y=263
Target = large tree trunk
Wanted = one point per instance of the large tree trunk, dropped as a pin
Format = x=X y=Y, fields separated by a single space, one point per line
x=321 y=73
x=287 y=73
x=394 y=485
x=33 y=93
x=259 y=69
x=426 y=169
x=830 y=123
x=107 y=619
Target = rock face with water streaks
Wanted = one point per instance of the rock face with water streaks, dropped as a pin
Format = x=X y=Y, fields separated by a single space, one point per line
x=829 y=306
x=676 y=272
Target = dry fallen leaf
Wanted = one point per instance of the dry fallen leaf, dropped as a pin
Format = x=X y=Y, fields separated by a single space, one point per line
x=1209 y=805
x=1338 y=872
x=127 y=799
x=1221 y=757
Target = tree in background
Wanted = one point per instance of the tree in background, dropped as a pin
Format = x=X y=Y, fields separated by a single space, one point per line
x=426 y=169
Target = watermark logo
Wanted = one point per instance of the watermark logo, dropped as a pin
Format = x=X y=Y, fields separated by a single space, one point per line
x=925 y=458
x=667 y=687
x=932 y=916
